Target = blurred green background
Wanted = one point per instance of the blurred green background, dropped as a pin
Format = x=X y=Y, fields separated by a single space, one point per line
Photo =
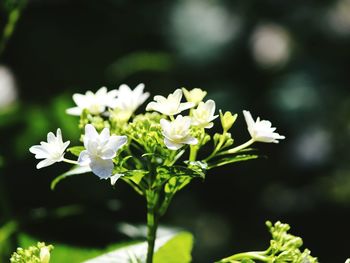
x=286 y=61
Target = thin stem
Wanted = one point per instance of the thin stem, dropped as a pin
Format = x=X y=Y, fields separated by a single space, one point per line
x=193 y=152
x=218 y=147
x=240 y=147
x=152 y=225
x=70 y=161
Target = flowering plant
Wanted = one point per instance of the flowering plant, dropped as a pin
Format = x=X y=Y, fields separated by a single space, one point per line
x=156 y=152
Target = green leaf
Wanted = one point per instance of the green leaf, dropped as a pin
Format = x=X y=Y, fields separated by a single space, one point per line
x=177 y=249
x=234 y=159
x=135 y=175
x=76 y=150
x=176 y=170
x=175 y=184
x=75 y=170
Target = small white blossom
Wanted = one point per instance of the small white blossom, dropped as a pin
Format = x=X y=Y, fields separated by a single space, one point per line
x=177 y=132
x=261 y=130
x=100 y=150
x=171 y=105
x=52 y=150
x=129 y=100
x=204 y=114
x=95 y=103
x=194 y=95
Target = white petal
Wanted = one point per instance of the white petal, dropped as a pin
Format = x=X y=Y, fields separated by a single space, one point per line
x=90 y=132
x=39 y=151
x=80 y=100
x=51 y=138
x=115 y=177
x=107 y=154
x=139 y=89
x=102 y=168
x=124 y=89
x=210 y=106
x=151 y=106
x=65 y=145
x=159 y=99
x=166 y=125
x=92 y=147
x=172 y=145
x=44 y=163
x=190 y=140
x=248 y=118
x=104 y=135
x=75 y=111
x=177 y=95
x=185 y=106
x=84 y=158
x=116 y=142
x=101 y=92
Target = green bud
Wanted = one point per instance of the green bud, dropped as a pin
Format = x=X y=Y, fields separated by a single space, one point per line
x=194 y=95
x=227 y=120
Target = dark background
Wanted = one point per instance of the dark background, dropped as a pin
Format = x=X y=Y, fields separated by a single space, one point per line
x=285 y=61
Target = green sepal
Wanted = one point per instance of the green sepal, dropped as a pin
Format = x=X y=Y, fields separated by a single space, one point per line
x=76 y=150
x=75 y=170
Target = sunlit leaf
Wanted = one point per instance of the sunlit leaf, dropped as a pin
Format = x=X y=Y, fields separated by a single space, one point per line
x=178 y=249
x=135 y=175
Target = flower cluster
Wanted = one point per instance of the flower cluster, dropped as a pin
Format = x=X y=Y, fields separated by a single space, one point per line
x=116 y=141
x=284 y=248
x=158 y=152
x=34 y=254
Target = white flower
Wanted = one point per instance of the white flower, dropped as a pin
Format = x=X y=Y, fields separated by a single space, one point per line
x=52 y=150
x=100 y=150
x=171 y=105
x=261 y=130
x=194 y=95
x=177 y=132
x=204 y=114
x=95 y=103
x=129 y=100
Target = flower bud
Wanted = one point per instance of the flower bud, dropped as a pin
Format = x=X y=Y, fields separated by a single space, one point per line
x=44 y=254
x=227 y=120
x=194 y=95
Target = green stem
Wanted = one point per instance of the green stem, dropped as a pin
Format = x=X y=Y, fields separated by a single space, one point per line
x=69 y=161
x=193 y=152
x=217 y=148
x=257 y=255
x=240 y=147
x=152 y=225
